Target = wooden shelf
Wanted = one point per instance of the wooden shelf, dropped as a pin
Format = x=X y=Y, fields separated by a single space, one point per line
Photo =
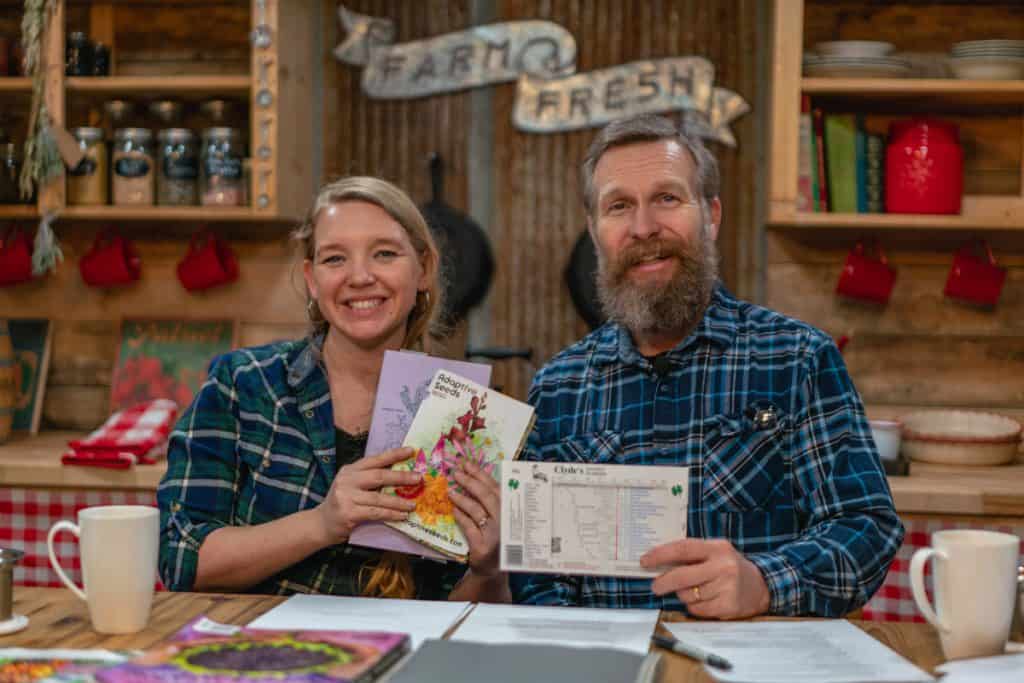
x=10 y=84
x=949 y=89
x=167 y=213
x=34 y=462
x=149 y=85
x=18 y=211
x=862 y=221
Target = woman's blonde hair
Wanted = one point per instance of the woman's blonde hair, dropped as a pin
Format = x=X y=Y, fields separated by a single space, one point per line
x=423 y=319
x=391 y=576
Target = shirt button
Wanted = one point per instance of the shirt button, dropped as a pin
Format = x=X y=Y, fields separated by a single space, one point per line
x=325 y=458
x=663 y=388
x=175 y=506
x=309 y=413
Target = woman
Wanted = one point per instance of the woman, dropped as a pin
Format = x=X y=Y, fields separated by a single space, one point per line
x=266 y=478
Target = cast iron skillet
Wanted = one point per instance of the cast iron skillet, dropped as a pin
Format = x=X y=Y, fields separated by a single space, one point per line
x=467 y=264
x=579 y=276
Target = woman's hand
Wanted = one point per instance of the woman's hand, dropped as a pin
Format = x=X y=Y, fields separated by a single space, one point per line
x=355 y=497
x=478 y=513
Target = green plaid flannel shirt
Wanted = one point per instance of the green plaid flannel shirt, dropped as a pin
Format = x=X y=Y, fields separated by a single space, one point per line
x=257 y=444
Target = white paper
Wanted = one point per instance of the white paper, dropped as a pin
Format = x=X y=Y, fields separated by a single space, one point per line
x=583 y=627
x=421 y=619
x=572 y=518
x=831 y=651
x=33 y=654
x=1002 y=669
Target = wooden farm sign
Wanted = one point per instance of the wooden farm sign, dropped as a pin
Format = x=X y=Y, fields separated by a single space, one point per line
x=540 y=56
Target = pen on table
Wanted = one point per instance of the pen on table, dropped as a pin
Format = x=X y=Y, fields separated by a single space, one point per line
x=692 y=651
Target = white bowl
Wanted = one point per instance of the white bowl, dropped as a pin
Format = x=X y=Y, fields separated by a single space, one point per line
x=960 y=437
x=988 y=68
x=887 y=435
x=988 y=44
x=821 y=70
x=854 y=48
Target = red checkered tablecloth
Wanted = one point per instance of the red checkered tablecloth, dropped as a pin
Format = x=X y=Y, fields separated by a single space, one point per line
x=894 y=601
x=26 y=516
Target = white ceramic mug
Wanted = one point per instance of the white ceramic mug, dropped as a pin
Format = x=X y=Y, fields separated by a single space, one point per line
x=119 y=551
x=975 y=589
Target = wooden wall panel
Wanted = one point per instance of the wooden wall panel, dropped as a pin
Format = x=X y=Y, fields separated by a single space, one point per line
x=267 y=303
x=939 y=370
x=194 y=37
x=913 y=26
x=539 y=207
x=394 y=138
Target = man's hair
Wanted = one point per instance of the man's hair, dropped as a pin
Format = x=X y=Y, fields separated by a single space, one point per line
x=651 y=128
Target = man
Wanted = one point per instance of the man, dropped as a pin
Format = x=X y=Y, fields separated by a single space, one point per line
x=789 y=510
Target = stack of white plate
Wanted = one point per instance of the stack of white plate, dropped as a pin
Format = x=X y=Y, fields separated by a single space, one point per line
x=855 y=59
x=988 y=59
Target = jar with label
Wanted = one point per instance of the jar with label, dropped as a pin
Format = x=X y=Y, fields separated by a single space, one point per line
x=221 y=167
x=178 y=168
x=79 y=55
x=87 y=182
x=10 y=172
x=133 y=175
x=100 y=60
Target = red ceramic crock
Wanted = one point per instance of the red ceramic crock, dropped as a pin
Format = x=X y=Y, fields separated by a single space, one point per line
x=924 y=167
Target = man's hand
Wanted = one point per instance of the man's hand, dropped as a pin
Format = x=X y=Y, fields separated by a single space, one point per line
x=710 y=577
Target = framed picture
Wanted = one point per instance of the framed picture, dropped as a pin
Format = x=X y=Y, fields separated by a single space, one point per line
x=31 y=339
x=162 y=358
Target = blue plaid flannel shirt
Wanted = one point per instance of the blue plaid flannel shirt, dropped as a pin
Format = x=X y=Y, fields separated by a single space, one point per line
x=802 y=496
x=257 y=444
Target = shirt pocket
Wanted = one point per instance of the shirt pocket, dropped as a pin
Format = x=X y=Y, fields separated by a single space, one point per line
x=746 y=467
x=746 y=496
x=604 y=447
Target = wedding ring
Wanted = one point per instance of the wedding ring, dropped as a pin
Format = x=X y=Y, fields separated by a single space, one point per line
x=696 y=593
x=483 y=521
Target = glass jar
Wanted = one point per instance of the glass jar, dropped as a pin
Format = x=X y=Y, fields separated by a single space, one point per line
x=10 y=172
x=217 y=111
x=87 y=182
x=221 y=167
x=167 y=112
x=79 y=56
x=132 y=180
x=100 y=60
x=178 y=168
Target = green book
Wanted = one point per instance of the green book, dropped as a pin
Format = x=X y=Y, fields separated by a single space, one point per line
x=876 y=173
x=861 y=147
x=841 y=156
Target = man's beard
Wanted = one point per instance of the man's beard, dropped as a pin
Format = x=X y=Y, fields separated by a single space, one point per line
x=655 y=308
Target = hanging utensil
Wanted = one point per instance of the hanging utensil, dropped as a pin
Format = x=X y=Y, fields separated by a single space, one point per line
x=580 y=276
x=467 y=264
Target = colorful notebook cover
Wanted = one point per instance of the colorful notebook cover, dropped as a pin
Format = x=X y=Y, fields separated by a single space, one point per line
x=458 y=420
x=30 y=665
x=404 y=380
x=207 y=652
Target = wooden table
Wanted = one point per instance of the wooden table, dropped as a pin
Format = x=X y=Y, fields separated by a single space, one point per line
x=58 y=618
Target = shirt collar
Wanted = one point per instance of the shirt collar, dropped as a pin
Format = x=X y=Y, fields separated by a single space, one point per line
x=718 y=325
x=307 y=361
